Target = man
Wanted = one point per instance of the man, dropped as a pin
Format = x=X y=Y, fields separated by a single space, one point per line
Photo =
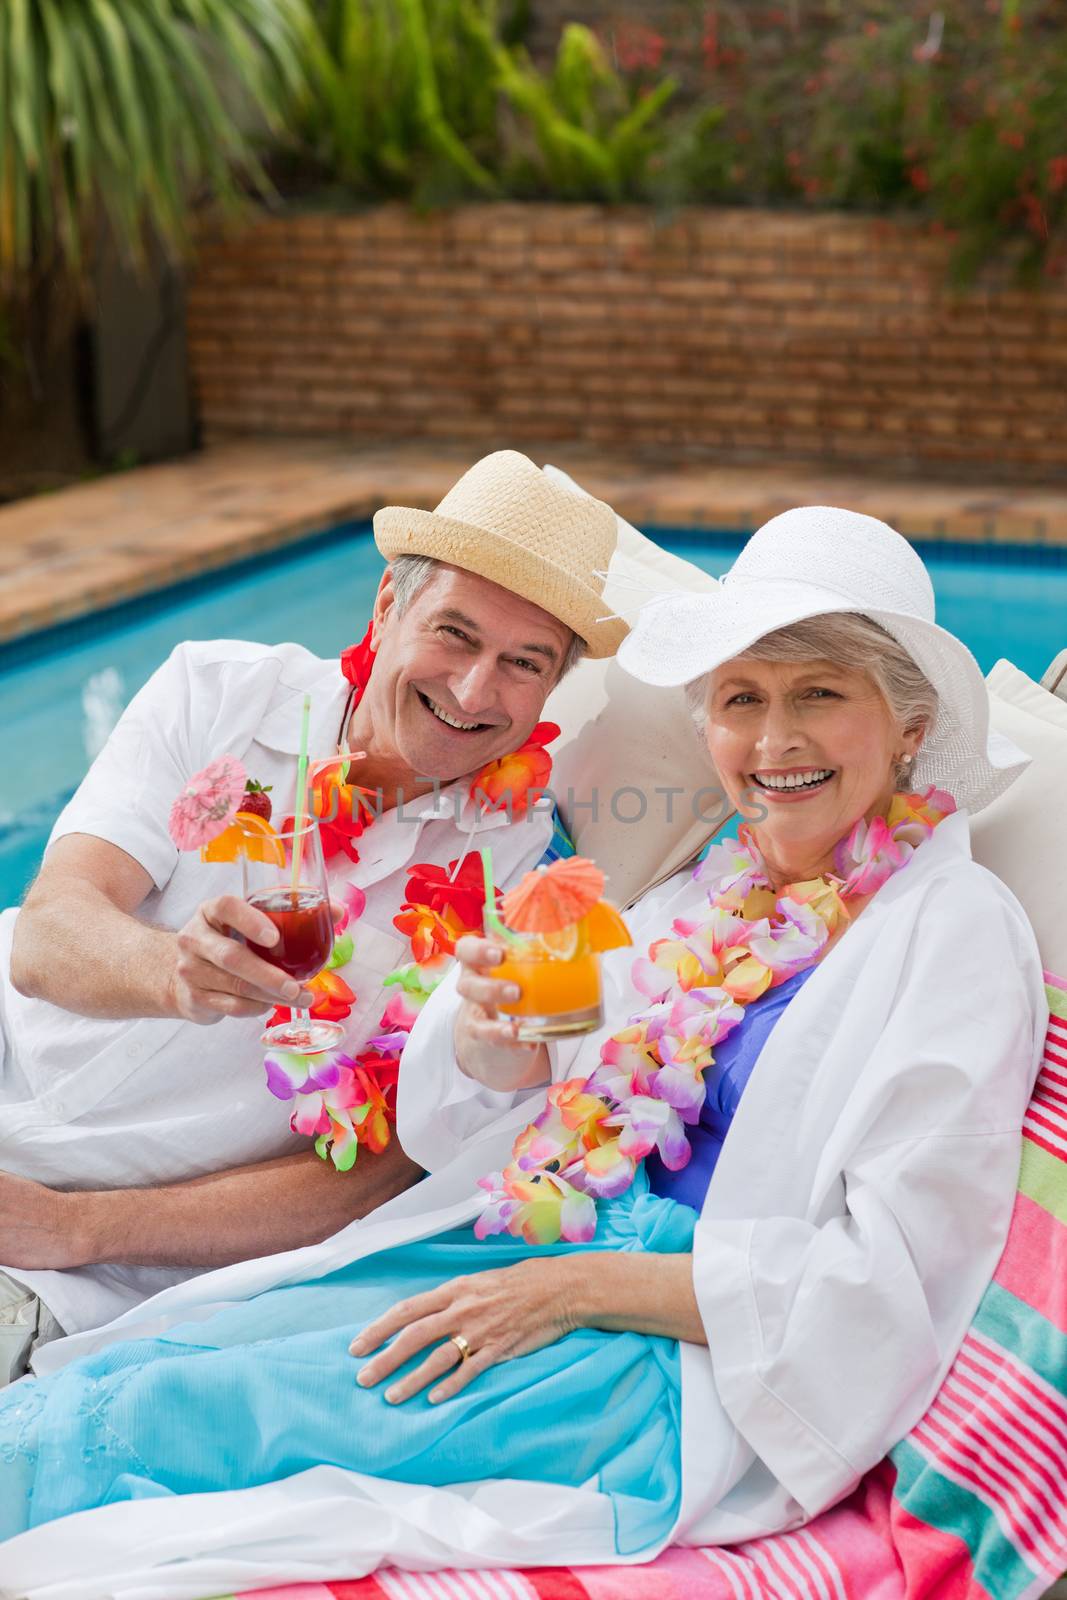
x=138 y=1143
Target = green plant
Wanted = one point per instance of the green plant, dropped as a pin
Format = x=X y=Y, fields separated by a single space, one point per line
x=133 y=109
x=434 y=99
x=999 y=177
x=399 y=101
x=593 y=140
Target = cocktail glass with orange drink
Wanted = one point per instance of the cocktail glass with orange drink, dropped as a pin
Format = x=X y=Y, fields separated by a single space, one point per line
x=555 y=928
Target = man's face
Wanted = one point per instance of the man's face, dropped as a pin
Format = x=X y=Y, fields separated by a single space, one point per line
x=461 y=677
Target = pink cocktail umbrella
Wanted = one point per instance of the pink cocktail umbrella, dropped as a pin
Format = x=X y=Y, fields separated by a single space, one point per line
x=208 y=803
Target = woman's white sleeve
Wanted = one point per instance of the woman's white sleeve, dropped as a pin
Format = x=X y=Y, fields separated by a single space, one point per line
x=438 y=1108
x=829 y=1339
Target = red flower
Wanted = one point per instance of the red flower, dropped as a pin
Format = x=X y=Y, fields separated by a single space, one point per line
x=345 y=811
x=463 y=892
x=431 y=932
x=358 y=659
x=507 y=783
x=638 y=48
x=376 y=1077
x=333 y=1000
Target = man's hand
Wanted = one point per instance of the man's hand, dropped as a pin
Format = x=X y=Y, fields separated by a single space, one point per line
x=216 y=976
x=39 y=1227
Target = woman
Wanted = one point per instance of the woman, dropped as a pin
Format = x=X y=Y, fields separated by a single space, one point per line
x=746 y=1332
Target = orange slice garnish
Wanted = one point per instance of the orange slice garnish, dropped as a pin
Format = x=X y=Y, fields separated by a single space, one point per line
x=604 y=929
x=247 y=835
x=560 y=945
x=600 y=929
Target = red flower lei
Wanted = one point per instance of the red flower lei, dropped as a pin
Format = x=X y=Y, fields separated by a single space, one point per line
x=439 y=907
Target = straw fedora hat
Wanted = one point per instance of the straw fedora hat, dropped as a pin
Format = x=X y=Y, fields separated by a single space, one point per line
x=816 y=560
x=508 y=522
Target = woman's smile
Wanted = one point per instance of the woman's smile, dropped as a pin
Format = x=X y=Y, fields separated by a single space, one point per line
x=792 y=785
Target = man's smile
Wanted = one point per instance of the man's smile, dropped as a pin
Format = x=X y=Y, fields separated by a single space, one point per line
x=439 y=713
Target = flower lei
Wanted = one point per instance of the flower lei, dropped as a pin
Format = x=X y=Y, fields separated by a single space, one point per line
x=587 y=1142
x=343 y=1101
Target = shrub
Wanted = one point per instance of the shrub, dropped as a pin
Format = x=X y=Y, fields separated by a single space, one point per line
x=948 y=109
x=435 y=100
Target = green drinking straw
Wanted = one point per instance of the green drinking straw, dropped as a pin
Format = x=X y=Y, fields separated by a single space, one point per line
x=301 y=792
x=491 y=919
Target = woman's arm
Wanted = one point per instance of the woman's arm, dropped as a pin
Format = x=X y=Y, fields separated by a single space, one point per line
x=512 y=1311
x=626 y=1291
x=463 y=1069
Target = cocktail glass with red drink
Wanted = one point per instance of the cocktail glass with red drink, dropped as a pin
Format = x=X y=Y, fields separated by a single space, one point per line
x=287 y=883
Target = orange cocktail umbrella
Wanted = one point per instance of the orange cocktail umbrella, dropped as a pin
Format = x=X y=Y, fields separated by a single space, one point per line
x=555 y=897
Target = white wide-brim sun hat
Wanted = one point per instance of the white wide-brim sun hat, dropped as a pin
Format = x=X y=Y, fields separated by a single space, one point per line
x=817 y=560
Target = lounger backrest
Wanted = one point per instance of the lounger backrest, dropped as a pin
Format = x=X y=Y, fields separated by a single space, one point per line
x=1022 y=837
x=1055 y=679
x=623 y=745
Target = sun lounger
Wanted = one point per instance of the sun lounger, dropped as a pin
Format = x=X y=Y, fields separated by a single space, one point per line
x=972 y=1505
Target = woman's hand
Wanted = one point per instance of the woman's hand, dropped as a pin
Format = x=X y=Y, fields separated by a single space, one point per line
x=500 y=1313
x=486 y=1047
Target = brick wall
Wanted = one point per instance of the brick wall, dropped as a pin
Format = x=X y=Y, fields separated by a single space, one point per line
x=737 y=335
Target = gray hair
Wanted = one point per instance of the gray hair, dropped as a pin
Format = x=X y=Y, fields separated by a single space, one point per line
x=412 y=573
x=851 y=640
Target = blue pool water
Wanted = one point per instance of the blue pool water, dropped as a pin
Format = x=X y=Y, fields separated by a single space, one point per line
x=60 y=692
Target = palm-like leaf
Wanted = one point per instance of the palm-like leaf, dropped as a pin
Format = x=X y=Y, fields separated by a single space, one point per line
x=135 y=106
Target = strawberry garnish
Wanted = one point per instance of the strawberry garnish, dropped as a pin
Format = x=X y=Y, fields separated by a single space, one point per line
x=255 y=799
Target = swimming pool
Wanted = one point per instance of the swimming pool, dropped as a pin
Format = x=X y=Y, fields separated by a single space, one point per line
x=61 y=691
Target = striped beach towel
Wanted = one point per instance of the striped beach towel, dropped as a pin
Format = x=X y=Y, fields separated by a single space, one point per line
x=972 y=1505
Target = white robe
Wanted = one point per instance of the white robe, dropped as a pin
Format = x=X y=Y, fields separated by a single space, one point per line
x=854 y=1218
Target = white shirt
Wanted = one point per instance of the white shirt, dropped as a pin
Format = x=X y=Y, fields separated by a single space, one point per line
x=90 y=1103
x=852 y=1222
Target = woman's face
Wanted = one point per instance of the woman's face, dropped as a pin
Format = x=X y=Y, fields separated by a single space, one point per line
x=812 y=745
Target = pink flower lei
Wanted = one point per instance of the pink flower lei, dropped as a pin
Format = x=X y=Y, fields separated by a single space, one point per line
x=587 y=1142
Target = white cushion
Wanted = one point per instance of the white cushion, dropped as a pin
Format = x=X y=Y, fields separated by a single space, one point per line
x=622 y=740
x=1055 y=679
x=1022 y=836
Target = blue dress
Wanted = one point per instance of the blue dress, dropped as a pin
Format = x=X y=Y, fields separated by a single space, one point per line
x=265 y=1388
x=724 y=1084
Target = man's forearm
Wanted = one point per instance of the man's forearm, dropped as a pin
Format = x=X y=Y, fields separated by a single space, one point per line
x=84 y=954
x=236 y=1215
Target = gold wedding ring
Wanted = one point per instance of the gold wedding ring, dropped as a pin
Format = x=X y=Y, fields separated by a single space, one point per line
x=461 y=1345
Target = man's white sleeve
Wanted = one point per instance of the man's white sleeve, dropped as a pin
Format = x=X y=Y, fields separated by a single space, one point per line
x=125 y=797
